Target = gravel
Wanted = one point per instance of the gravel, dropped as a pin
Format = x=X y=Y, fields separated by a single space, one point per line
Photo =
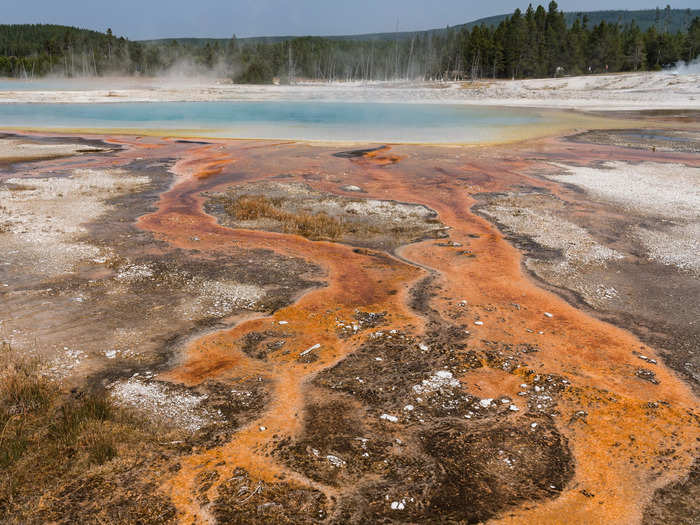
x=665 y=190
x=44 y=217
x=577 y=246
x=669 y=193
x=677 y=246
x=214 y=298
x=163 y=402
x=438 y=381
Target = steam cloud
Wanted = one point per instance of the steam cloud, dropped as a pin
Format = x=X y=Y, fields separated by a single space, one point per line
x=691 y=68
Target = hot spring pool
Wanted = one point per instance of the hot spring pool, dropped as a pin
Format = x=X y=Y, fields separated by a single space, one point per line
x=319 y=121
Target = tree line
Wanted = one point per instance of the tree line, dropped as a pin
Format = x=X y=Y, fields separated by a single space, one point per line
x=36 y=50
x=534 y=43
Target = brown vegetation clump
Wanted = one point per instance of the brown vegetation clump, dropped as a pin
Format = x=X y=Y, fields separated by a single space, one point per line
x=297 y=208
x=59 y=451
x=252 y=207
x=312 y=226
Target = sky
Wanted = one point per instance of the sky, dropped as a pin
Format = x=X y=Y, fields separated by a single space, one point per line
x=143 y=19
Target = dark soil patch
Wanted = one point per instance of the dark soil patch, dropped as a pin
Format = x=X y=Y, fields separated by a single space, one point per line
x=259 y=345
x=236 y=402
x=245 y=501
x=487 y=470
x=678 y=503
x=335 y=447
x=646 y=139
x=353 y=154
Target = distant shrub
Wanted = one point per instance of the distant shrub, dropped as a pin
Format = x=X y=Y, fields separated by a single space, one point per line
x=257 y=72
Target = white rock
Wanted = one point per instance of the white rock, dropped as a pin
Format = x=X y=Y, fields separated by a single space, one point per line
x=547 y=314
x=439 y=380
x=479 y=323
x=311 y=349
x=408 y=408
x=486 y=402
x=283 y=322
x=513 y=408
x=335 y=461
x=389 y=417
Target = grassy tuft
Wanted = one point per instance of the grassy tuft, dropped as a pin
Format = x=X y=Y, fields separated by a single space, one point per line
x=250 y=208
x=71 y=417
x=99 y=440
x=312 y=226
x=51 y=440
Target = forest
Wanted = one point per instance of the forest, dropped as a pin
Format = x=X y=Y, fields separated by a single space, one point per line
x=535 y=43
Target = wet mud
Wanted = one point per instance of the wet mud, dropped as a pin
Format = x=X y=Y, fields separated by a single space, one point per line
x=81 y=146
x=676 y=503
x=648 y=139
x=396 y=379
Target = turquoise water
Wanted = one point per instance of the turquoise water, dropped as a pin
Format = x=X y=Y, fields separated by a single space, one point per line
x=283 y=120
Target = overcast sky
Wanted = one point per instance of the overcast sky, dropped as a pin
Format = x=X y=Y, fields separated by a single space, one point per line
x=141 y=19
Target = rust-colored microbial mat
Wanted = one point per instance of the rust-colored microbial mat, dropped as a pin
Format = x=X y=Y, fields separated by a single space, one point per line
x=438 y=380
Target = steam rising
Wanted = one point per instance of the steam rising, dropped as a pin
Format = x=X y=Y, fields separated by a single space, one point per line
x=188 y=70
x=691 y=68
